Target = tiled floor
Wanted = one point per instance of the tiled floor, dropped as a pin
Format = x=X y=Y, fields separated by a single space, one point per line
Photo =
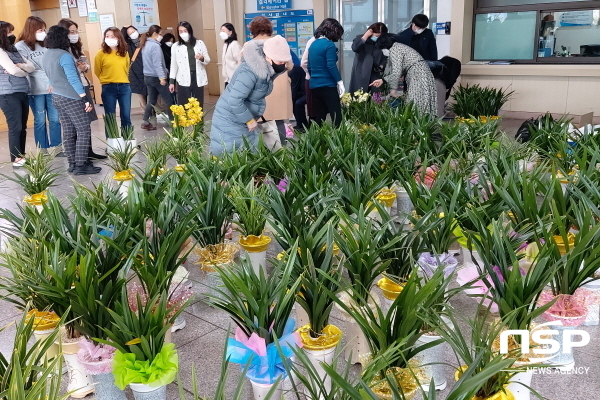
x=201 y=342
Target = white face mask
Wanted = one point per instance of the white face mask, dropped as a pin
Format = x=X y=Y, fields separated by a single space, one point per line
x=135 y=35
x=185 y=36
x=159 y=38
x=40 y=36
x=74 y=38
x=169 y=44
x=223 y=35
x=110 y=42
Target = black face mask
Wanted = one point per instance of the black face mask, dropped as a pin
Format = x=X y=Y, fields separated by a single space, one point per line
x=278 y=68
x=12 y=39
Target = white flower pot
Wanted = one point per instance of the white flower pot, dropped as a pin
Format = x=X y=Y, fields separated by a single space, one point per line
x=115 y=144
x=561 y=360
x=321 y=356
x=404 y=205
x=179 y=323
x=258 y=261
x=52 y=350
x=145 y=392
x=519 y=391
x=80 y=384
x=357 y=347
x=105 y=388
x=593 y=315
x=132 y=144
x=471 y=256
x=432 y=357
x=261 y=390
x=124 y=187
x=39 y=208
x=301 y=316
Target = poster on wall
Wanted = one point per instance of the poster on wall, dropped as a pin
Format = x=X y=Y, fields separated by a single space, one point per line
x=82 y=8
x=106 y=21
x=296 y=26
x=577 y=18
x=72 y=3
x=64 y=9
x=143 y=14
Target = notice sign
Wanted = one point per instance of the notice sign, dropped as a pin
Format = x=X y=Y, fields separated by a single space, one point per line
x=296 y=26
x=577 y=18
x=271 y=5
x=143 y=14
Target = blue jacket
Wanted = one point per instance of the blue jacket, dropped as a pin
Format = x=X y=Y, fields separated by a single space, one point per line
x=242 y=101
x=154 y=60
x=322 y=64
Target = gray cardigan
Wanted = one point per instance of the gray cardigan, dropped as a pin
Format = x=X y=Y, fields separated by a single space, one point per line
x=154 y=60
x=38 y=81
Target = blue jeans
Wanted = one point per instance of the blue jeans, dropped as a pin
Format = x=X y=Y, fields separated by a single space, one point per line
x=42 y=107
x=121 y=93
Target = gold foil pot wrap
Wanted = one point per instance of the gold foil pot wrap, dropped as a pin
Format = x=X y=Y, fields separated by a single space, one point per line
x=386 y=196
x=561 y=243
x=42 y=320
x=328 y=338
x=405 y=380
x=214 y=255
x=506 y=395
x=180 y=168
x=255 y=244
x=514 y=348
x=122 y=176
x=390 y=289
x=36 y=199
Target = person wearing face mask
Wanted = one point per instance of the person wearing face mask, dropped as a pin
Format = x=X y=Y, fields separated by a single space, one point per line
x=370 y=58
x=231 y=51
x=14 y=87
x=31 y=47
x=242 y=104
x=420 y=38
x=326 y=83
x=166 y=44
x=136 y=70
x=111 y=66
x=189 y=57
x=155 y=74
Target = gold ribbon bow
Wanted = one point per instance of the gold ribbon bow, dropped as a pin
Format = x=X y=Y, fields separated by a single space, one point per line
x=123 y=176
x=36 y=199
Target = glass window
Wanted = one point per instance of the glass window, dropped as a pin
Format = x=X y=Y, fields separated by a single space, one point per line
x=569 y=34
x=500 y=3
x=505 y=36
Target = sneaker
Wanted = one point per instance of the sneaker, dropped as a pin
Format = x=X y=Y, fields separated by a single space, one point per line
x=94 y=156
x=19 y=162
x=148 y=126
x=179 y=324
x=61 y=154
x=86 y=169
x=71 y=167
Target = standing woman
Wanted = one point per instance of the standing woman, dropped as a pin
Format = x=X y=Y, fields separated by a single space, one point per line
x=111 y=66
x=136 y=70
x=13 y=92
x=369 y=57
x=76 y=50
x=189 y=57
x=70 y=99
x=232 y=51
x=325 y=79
x=155 y=74
x=31 y=47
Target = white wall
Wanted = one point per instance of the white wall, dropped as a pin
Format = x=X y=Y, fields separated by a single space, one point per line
x=444 y=14
x=575 y=36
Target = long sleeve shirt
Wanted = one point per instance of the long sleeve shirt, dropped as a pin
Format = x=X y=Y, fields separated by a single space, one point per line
x=154 y=60
x=111 y=67
x=322 y=64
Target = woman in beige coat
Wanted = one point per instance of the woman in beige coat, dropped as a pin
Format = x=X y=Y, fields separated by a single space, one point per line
x=279 y=102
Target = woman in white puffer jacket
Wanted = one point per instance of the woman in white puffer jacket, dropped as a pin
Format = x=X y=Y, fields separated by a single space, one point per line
x=189 y=57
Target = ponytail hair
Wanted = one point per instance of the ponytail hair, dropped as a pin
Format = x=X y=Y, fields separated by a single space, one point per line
x=151 y=31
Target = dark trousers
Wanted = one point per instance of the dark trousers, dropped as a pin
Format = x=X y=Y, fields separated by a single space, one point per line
x=155 y=89
x=77 y=133
x=309 y=103
x=113 y=93
x=326 y=100
x=300 y=113
x=185 y=92
x=281 y=130
x=15 y=107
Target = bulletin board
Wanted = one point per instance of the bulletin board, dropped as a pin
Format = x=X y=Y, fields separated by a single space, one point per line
x=296 y=26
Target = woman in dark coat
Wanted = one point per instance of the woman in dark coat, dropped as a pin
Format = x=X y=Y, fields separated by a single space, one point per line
x=370 y=57
x=136 y=71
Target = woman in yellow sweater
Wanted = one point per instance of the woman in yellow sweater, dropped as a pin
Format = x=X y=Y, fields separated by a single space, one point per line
x=111 y=66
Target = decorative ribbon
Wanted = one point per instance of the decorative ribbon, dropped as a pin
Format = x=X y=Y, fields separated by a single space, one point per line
x=405 y=380
x=255 y=244
x=36 y=199
x=215 y=255
x=180 y=168
x=560 y=243
x=329 y=338
x=390 y=289
x=571 y=310
x=386 y=196
x=42 y=320
x=266 y=363
x=430 y=263
x=123 y=176
x=97 y=359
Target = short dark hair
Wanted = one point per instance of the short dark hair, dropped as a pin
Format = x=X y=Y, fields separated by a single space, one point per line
x=167 y=38
x=233 y=32
x=379 y=27
x=331 y=29
x=421 y=21
x=5 y=44
x=261 y=25
x=57 y=38
x=190 y=30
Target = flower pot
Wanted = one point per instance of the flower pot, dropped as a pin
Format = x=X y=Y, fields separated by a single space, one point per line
x=357 y=348
x=146 y=392
x=37 y=200
x=593 y=315
x=211 y=258
x=105 y=388
x=257 y=247
x=404 y=205
x=301 y=315
x=562 y=360
x=321 y=350
x=390 y=291
x=261 y=390
x=124 y=188
x=506 y=395
x=44 y=324
x=471 y=256
x=80 y=383
x=115 y=144
x=404 y=380
x=132 y=144
x=429 y=359
x=562 y=246
x=516 y=387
